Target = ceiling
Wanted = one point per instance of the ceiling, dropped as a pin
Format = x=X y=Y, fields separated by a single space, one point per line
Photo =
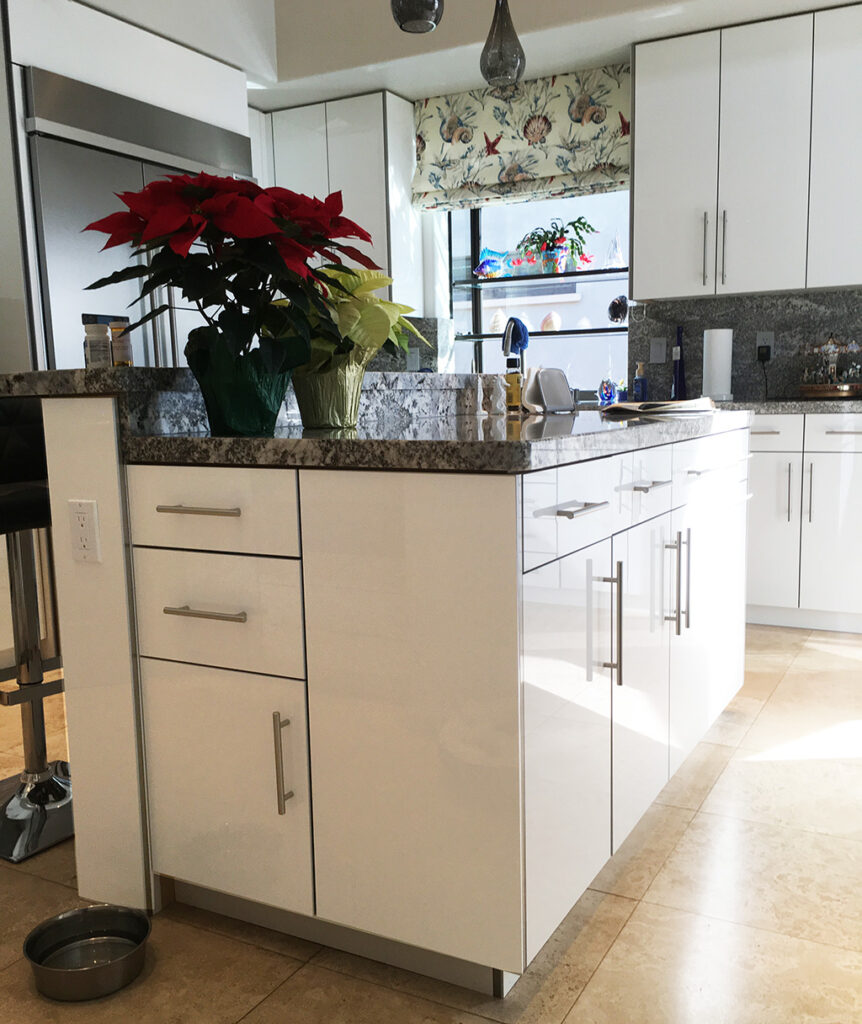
x=332 y=48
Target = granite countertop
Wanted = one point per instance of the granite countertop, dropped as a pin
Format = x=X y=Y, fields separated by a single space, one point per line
x=796 y=406
x=162 y=422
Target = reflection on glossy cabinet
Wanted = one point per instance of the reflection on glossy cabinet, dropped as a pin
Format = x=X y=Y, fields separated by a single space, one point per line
x=831 y=571
x=640 y=693
x=773 y=533
x=567 y=733
x=299 y=145
x=212 y=777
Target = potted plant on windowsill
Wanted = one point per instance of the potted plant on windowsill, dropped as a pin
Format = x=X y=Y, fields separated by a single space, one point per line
x=241 y=254
x=329 y=385
x=555 y=245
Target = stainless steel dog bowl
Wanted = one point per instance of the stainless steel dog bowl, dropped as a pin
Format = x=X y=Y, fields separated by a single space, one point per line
x=87 y=953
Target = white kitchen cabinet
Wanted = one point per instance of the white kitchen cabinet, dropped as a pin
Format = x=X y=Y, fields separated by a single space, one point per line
x=212 y=782
x=831 y=570
x=764 y=155
x=566 y=642
x=640 y=693
x=362 y=146
x=773 y=529
x=299 y=148
x=676 y=167
x=835 y=222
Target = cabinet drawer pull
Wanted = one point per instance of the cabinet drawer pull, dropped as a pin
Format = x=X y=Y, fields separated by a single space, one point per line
x=688 y=578
x=724 y=247
x=845 y=432
x=278 y=725
x=195 y=613
x=194 y=510
x=789 y=488
x=810 y=490
x=764 y=433
x=705 y=232
x=571 y=509
x=676 y=617
x=646 y=488
x=617 y=581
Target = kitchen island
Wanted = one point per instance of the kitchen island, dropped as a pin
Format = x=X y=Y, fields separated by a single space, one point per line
x=405 y=692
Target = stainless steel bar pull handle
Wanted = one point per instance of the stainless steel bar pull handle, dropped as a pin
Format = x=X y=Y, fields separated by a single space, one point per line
x=688 y=578
x=571 y=509
x=764 y=433
x=846 y=432
x=705 y=233
x=198 y=510
x=279 y=724
x=195 y=613
x=618 y=582
x=810 y=490
x=789 y=488
x=676 y=617
x=646 y=488
x=724 y=247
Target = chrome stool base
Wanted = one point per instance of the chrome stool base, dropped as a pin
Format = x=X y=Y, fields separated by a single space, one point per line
x=35 y=812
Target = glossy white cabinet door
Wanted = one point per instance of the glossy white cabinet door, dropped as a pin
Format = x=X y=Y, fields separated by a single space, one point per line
x=405 y=221
x=764 y=155
x=567 y=734
x=412 y=626
x=211 y=781
x=640 y=693
x=835 y=223
x=299 y=146
x=357 y=168
x=676 y=166
x=831 y=574
x=773 y=529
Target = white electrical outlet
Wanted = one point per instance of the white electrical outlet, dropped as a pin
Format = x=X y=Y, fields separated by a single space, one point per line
x=84 y=526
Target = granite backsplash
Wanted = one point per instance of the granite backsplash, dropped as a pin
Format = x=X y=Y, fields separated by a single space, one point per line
x=799 y=320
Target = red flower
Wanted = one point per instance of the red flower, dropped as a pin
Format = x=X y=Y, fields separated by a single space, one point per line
x=123 y=227
x=237 y=215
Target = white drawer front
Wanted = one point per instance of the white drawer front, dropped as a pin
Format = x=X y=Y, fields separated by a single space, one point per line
x=595 y=501
x=209 y=733
x=211 y=508
x=651 y=483
x=704 y=464
x=255 y=604
x=777 y=433
x=539 y=531
x=833 y=432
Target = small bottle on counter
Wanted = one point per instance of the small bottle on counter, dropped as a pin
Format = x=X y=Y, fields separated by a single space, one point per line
x=97 y=345
x=121 y=344
x=514 y=385
x=640 y=391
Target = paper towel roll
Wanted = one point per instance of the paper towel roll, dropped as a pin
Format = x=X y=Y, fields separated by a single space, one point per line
x=717 y=357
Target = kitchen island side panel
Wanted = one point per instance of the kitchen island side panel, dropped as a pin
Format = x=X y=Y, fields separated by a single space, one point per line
x=411 y=602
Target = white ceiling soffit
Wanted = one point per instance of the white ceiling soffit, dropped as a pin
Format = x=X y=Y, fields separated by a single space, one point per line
x=560 y=43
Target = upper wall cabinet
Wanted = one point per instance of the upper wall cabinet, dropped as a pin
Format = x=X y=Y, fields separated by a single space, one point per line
x=765 y=143
x=722 y=145
x=676 y=166
x=834 y=254
x=363 y=147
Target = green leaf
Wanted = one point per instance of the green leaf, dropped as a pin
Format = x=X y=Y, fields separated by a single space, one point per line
x=126 y=274
x=145 y=319
x=238 y=329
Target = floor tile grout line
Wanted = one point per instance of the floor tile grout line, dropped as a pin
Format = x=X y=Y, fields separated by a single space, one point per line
x=753 y=927
x=260 y=1002
x=8 y=966
x=782 y=825
x=604 y=956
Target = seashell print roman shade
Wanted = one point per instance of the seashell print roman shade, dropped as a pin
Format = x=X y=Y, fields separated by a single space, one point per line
x=562 y=136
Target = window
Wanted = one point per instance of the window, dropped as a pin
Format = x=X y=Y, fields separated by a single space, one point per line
x=566 y=314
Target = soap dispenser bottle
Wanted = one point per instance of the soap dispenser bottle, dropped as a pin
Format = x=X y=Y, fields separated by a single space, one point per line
x=640 y=392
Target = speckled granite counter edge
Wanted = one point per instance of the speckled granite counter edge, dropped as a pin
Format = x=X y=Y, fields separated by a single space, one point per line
x=797 y=406
x=448 y=456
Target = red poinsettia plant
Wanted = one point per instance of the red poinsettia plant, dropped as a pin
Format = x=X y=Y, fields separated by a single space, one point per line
x=233 y=248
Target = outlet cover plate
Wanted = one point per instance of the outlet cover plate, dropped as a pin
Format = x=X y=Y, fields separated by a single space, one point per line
x=658 y=350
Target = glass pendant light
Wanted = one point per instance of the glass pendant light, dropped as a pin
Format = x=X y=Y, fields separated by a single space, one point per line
x=417 y=15
x=503 y=60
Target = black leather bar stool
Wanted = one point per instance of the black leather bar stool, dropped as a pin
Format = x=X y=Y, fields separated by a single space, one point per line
x=35 y=806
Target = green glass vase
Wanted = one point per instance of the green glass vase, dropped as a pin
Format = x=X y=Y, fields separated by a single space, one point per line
x=242 y=397
x=329 y=399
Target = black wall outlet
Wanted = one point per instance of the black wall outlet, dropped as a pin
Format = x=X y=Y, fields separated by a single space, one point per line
x=764 y=353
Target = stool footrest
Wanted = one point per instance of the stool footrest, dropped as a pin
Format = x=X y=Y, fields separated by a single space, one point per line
x=33 y=691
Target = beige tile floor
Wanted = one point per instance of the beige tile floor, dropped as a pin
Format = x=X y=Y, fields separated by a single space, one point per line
x=737 y=899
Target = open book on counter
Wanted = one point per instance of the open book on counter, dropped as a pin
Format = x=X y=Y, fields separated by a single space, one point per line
x=620 y=410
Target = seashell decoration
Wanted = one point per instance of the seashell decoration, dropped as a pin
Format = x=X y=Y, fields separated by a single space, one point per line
x=536 y=129
x=552 y=322
x=498 y=322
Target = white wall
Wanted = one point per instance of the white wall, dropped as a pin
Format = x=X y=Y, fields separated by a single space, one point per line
x=238 y=32
x=81 y=43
